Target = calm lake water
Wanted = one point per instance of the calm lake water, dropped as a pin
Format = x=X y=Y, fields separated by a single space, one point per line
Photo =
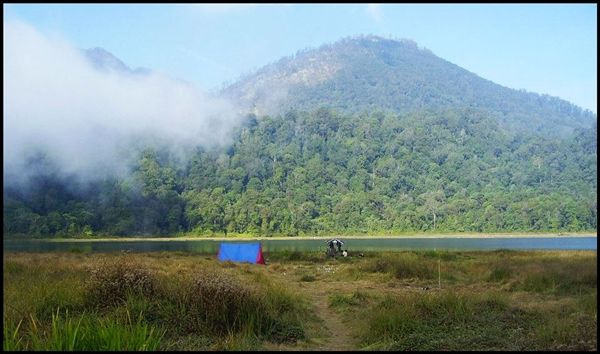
x=352 y=244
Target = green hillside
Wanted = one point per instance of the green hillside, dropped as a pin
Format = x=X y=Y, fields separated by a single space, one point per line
x=365 y=135
x=322 y=172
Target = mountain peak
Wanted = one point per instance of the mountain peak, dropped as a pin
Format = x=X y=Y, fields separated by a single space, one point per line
x=371 y=38
x=368 y=72
x=104 y=60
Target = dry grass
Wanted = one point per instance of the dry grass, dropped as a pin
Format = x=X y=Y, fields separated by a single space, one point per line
x=111 y=283
x=500 y=300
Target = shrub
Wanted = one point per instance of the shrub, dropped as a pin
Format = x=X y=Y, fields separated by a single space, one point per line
x=220 y=299
x=215 y=303
x=111 y=283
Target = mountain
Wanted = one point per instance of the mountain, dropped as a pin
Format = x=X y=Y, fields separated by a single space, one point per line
x=365 y=136
x=370 y=73
x=103 y=60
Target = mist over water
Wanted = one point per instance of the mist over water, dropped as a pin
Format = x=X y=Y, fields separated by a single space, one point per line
x=89 y=122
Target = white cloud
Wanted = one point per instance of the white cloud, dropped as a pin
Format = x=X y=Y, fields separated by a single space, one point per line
x=85 y=119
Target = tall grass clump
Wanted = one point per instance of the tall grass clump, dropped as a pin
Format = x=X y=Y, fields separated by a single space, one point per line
x=130 y=334
x=438 y=321
x=13 y=268
x=11 y=336
x=500 y=272
x=218 y=304
x=35 y=288
x=560 y=277
x=308 y=278
x=111 y=283
x=287 y=312
x=402 y=266
x=442 y=255
x=67 y=332
x=572 y=327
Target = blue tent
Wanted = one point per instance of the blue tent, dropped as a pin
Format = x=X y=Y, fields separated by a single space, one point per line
x=241 y=252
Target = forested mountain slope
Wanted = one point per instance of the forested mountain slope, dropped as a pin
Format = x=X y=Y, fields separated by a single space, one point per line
x=372 y=73
x=322 y=172
x=366 y=135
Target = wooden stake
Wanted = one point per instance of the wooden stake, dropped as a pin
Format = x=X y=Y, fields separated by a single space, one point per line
x=440 y=273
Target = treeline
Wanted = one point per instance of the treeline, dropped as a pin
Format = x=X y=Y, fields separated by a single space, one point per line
x=321 y=172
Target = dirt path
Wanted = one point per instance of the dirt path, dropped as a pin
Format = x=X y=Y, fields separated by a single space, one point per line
x=330 y=330
x=329 y=334
x=337 y=335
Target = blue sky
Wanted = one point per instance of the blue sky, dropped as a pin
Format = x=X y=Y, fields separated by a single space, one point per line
x=549 y=48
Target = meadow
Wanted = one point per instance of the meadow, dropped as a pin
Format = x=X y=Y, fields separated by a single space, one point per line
x=405 y=300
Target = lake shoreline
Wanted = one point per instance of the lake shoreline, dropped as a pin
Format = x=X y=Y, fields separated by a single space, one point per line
x=258 y=238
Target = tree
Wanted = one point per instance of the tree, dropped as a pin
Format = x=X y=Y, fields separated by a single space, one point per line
x=432 y=203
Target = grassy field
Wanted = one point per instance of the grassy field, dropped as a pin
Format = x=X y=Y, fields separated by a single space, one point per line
x=410 y=300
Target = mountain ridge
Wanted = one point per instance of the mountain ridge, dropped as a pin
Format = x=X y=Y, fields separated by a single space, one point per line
x=103 y=60
x=366 y=73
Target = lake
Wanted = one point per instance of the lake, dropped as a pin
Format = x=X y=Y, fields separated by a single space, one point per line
x=352 y=244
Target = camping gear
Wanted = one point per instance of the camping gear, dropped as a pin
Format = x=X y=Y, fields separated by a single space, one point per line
x=336 y=243
x=330 y=252
x=333 y=243
x=241 y=252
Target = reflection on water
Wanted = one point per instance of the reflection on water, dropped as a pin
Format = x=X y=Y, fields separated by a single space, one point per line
x=353 y=244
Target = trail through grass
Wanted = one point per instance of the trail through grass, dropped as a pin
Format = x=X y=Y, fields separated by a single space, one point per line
x=338 y=334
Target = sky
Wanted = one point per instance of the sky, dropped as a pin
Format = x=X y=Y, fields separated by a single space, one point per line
x=544 y=48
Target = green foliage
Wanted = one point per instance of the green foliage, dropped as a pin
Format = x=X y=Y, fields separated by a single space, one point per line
x=129 y=307
x=441 y=321
x=559 y=278
x=402 y=266
x=11 y=339
x=324 y=173
x=83 y=333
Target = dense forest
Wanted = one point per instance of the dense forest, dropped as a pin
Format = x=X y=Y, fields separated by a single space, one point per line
x=364 y=135
x=321 y=171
